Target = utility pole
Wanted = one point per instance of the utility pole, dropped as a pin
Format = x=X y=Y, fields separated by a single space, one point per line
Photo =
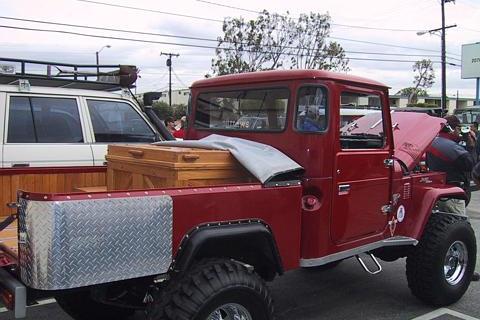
x=169 y=65
x=444 y=60
x=443 y=53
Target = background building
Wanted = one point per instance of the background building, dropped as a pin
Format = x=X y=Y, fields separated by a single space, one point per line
x=452 y=102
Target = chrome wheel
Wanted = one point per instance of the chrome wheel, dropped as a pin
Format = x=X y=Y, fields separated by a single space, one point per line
x=230 y=311
x=455 y=263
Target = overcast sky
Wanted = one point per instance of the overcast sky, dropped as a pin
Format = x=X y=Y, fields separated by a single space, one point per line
x=194 y=63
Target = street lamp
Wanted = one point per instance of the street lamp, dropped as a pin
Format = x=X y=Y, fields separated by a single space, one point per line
x=96 y=55
x=443 y=62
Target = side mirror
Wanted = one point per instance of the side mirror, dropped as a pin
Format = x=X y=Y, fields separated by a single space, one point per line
x=148 y=97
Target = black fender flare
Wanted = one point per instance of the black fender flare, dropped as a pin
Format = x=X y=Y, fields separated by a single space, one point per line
x=228 y=239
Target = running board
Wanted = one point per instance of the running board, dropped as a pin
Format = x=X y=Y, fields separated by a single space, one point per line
x=390 y=242
x=377 y=264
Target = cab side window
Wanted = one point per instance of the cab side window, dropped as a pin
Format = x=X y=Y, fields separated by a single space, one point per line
x=115 y=121
x=361 y=121
x=44 y=120
x=311 y=114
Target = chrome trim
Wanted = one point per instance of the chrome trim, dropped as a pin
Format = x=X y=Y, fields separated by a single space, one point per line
x=390 y=242
x=378 y=265
x=344 y=188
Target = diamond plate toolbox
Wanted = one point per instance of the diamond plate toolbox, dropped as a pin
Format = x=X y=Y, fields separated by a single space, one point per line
x=75 y=243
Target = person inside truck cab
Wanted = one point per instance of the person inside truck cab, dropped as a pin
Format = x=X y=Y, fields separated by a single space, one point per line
x=311 y=115
x=446 y=155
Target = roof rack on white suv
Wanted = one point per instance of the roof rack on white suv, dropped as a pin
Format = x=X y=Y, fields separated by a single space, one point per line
x=67 y=75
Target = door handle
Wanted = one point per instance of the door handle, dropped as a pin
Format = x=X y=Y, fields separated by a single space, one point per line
x=343 y=189
x=20 y=165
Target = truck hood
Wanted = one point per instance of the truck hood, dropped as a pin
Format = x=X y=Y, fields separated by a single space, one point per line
x=412 y=133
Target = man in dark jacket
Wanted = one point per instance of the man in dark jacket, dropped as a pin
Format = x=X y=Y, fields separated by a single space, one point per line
x=446 y=155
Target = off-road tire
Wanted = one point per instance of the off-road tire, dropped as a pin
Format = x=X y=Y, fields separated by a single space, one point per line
x=80 y=306
x=207 y=286
x=425 y=263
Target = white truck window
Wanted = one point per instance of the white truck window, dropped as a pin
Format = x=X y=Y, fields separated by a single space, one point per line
x=44 y=120
x=243 y=110
x=115 y=121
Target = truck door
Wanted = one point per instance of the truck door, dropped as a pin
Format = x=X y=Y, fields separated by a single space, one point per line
x=361 y=177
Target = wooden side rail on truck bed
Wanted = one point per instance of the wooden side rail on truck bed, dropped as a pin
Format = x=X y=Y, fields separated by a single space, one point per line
x=48 y=180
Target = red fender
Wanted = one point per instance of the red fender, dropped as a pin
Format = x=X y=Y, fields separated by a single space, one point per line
x=423 y=199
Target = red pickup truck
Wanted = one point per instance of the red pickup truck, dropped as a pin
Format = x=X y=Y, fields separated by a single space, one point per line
x=205 y=252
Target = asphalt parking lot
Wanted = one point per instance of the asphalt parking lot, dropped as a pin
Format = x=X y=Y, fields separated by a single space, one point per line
x=346 y=292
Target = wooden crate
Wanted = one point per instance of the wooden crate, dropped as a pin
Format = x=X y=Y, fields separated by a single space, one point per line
x=149 y=167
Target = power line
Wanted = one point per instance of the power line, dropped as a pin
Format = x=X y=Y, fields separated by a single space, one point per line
x=388 y=45
x=195 y=38
x=179 y=80
x=150 y=10
x=333 y=24
x=183 y=44
x=217 y=20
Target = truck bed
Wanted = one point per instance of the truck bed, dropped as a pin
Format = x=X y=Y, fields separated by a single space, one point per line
x=111 y=224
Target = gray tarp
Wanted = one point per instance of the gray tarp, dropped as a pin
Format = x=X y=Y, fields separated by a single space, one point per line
x=263 y=161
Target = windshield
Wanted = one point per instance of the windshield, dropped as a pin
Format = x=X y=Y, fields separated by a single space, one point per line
x=243 y=110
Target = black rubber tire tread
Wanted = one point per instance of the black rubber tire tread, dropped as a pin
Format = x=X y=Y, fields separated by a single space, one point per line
x=80 y=306
x=425 y=262
x=187 y=297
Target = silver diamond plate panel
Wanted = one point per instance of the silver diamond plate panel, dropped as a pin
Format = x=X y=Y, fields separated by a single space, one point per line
x=69 y=244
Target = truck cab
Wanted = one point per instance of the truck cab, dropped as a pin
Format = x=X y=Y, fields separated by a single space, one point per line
x=352 y=169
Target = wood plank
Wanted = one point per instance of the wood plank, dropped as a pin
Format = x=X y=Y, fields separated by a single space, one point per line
x=45 y=183
x=91 y=189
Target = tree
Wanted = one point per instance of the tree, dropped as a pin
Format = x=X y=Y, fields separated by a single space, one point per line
x=408 y=91
x=164 y=111
x=424 y=79
x=274 y=41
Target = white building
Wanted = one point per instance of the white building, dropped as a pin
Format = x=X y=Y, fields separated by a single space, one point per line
x=179 y=96
x=452 y=102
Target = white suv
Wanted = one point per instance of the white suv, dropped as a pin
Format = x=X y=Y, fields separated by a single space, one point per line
x=47 y=127
x=53 y=138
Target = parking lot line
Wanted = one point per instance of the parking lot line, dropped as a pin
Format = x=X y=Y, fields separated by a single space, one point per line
x=445 y=314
